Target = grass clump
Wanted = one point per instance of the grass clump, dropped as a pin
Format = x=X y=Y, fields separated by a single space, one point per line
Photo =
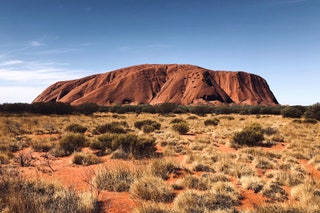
x=194 y=182
x=163 y=168
x=181 y=127
x=115 y=179
x=252 y=183
x=148 y=129
x=72 y=142
x=153 y=207
x=193 y=201
x=274 y=192
x=153 y=189
x=85 y=159
x=211 y=122
x=279 y=208
x=42 y=145
x=130 y=144
x=308 y=195
x=76 y=128
x=103 y=142
x=113 y=127
x=140 y=124
x=134 y=145
x=249 y=136
x=18 y=195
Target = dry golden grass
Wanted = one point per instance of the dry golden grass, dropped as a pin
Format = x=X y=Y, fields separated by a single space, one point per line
x=206 y=172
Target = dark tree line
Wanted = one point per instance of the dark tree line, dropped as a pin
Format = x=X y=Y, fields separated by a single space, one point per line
x=59 y=108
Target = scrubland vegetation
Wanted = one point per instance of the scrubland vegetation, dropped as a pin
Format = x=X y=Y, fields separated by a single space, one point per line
x=164 y=159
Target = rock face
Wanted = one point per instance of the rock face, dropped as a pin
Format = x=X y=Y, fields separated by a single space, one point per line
x=160 y=83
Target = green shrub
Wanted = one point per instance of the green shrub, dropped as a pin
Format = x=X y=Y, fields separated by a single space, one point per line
x=140 y=124
x=250 y=135
x=152 y=188
x=291 y=112
x=42 y=145
x=201 y=109
x=72 y=142
x=81 y=158
x=181 y=128
x=137 y=146
x=148 y=129
x=165 y=108
x=76 y=128
x=211 y=122
x=313 y=112
x=103 y=142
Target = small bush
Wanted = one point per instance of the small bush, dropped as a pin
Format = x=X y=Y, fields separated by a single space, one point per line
x=72 y=142
x=85 y=159
x=103 y=142
x=211 y=122
x=154 y=124
x=137 y=146
x=163 y=168
x=76 y=128
x=42 y=145
x=193 y=182
x=274 y=192
x=148 y=129
x=113 y=127
x=250 y=136
x=291 y=112
x=182 y=128
x=152 y=188
x=313 y=112
x=192 y=117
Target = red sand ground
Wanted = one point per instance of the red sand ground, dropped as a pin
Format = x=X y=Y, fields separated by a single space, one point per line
x=79 y=176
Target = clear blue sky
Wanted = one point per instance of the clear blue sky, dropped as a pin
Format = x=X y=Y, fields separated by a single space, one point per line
x=44 y=41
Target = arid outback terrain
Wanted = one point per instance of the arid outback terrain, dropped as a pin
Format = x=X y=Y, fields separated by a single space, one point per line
x=110 y=162
x=159 y=138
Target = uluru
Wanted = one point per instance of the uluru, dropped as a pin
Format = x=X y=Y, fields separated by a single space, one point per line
x=161 y=83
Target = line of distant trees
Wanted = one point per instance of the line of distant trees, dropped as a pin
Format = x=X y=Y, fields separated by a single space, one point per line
x=60 y=108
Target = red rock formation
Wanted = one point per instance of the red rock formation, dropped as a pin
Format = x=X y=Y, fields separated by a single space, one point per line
x=157 y=83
